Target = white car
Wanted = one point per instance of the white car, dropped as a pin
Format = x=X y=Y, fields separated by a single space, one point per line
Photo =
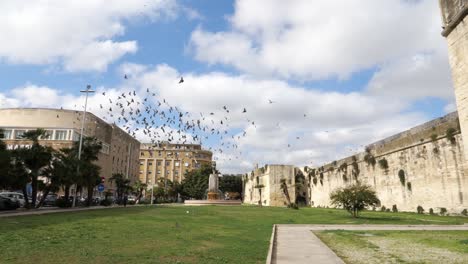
x=15 y=197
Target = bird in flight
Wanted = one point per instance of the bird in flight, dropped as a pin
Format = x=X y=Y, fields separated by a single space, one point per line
x=270 y=101
x=125 y=76
x=181 y=80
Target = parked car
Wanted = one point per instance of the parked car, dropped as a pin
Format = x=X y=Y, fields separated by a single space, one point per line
x=8 y=204
x=50 y=199
x=14 y=196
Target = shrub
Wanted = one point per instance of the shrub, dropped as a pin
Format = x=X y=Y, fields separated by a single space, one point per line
x=344 y=167
x=408 y=185
x=450 y=133
x=464 y=212
x=431 y=211
x=369 y=158
x=383 y=163
x=443 y=211
x=434 y=137
x=334 y=163
x=401 y=175
x=354 y=198
x=388 y=210
x=436 y=150
x=293 y=206
x=106 y=202
x=355 y=169
x=314 y=181
x=394 y=208
x=420 y=209
x=383 y=208
x=62 y=203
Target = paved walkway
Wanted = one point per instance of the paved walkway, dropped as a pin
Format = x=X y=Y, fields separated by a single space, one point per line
x=297 y=244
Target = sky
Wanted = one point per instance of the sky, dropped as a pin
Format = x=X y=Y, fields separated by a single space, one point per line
x=319 y=79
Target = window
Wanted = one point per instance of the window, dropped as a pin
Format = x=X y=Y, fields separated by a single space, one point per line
x=6 y=134
x=159 y=172
x=142 y=154
x=19 y=134
x=159 y=163
x=76 y=136
x=48 y=135
x=176 y=173
x=168 y=163
x=150 y=164
x=177 y=164
x=186 y=164
x=149 y=172
x=159 y=153
x=142 y=163
x=105 y=149
x=186 y=154
x=60 y=135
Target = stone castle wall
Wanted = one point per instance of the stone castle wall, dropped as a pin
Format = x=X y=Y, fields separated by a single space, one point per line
x=425 y=168
x=270 y=177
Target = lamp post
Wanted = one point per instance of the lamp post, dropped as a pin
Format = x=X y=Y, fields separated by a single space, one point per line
x=80 y=146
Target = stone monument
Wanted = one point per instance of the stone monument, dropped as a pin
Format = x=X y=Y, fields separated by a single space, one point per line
x=213 y=193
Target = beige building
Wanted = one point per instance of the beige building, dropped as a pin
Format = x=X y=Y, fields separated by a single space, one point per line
x=170 y=161
x=120 y=151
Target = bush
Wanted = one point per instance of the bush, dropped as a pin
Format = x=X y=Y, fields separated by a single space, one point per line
x=354 y=198
x=383 y=208
x=401 y=175
x=394 y=208
x=409 y=186
x=450 y=133
x=434 y=137
x=293 y=206
x=106 y=202
x=420 y=209
x=62 y=203
x=383 y=163
x=431 y=211
x=388 y=210
x=443 y=211
x=464 y=212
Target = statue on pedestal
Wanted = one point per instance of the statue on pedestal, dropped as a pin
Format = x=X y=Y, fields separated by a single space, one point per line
x=213 y=192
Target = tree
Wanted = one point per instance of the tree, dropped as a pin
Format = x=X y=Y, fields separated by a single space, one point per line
x=139 y=187
x=195 y=183
x=35 y=159
x=122 y=184
x=231 y=183
x=5 y=165
x=354 y=198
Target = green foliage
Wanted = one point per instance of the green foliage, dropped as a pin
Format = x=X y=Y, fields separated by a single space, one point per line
x=464 y=212
x=293 y=206
x=122 y=184
x=230 y=183
x=195 y=183
x=409 y=187
x=354 y=198
x=63 y=203
x=450 y=134
x=443 y=211
x=383 y=164
x=401 y=175
x=369 y=158
x=434 y=137
x=383 y=208
x=343 y=167
x=106 y=202
x=355 y=166
x=394 y=208
x=420 y=209
x=431 y=211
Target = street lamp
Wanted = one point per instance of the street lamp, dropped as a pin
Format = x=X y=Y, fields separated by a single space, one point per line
x=80 y=146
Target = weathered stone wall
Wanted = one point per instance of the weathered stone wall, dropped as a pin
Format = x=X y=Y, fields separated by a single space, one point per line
x=455 y=23
x=433 y=167
x=270 y=177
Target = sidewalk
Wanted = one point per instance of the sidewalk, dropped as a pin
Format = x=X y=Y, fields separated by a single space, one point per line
x=52 y=210
x=297 y=244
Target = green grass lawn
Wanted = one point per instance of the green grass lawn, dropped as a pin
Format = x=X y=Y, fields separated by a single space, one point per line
x=168 y=234
x=362 y=247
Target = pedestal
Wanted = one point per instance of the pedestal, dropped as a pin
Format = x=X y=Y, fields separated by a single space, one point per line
x=213 y=196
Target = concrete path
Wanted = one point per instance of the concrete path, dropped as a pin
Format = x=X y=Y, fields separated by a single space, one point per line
x=297 y=244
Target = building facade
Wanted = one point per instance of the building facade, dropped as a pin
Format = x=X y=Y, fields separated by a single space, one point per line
x=120 y=151
x=170 y=161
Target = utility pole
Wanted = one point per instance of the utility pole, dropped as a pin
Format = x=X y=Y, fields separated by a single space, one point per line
x=80 y=146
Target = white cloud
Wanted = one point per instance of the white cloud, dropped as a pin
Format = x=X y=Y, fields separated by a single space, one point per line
x=310 y=40
x=76 y=34
x=334 y=122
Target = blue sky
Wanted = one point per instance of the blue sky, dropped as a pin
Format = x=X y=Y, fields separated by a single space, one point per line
x=344 y=73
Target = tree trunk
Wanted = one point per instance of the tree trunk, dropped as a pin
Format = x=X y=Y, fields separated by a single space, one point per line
x=34 y=188
x=140 y=194
x=26 y=199
x=260 y=201
x=46 y=192
x=90 y=195
x=67 y=192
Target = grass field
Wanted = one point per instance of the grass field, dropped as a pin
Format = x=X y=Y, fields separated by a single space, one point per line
x=361 y=247
x=168 y=234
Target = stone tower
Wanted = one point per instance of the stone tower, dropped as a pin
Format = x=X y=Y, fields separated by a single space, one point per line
x=455 y=29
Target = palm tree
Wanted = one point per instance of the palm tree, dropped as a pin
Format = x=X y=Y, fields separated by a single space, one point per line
x=139 y=186
x=36 y=159
x=122 y=184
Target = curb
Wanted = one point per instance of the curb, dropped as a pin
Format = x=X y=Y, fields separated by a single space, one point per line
x=272 y=249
